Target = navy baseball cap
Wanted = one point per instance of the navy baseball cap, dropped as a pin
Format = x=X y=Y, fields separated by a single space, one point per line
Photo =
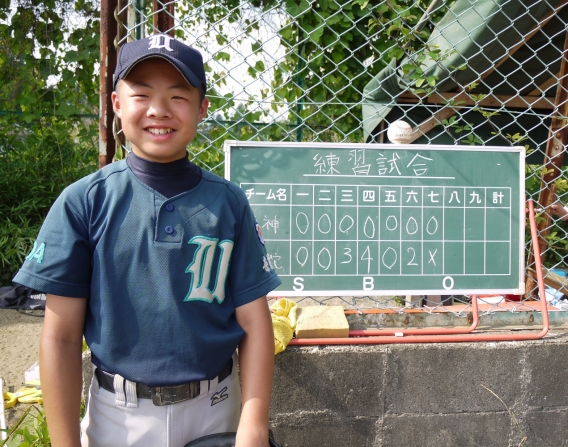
x=186 y=59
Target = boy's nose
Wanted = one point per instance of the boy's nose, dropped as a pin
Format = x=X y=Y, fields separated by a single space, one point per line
x=159 y=109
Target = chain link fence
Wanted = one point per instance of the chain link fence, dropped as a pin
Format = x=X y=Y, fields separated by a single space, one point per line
x=464 y=72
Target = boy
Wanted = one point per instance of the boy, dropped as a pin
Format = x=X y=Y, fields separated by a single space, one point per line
x=163 y=269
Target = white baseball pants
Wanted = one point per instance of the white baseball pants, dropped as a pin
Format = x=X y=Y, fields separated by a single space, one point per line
x=107 y=424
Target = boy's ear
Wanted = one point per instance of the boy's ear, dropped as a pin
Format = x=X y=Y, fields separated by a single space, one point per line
x=116 y=104
x=203 y=109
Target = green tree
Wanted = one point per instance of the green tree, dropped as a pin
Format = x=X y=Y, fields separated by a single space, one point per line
x=330 y=51
x=48 y=110
x=332 y=48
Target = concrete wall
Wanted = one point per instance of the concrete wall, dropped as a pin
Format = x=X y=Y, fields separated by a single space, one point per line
x=423 y=395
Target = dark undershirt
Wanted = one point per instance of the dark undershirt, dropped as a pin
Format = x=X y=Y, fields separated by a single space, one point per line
x=169 y=179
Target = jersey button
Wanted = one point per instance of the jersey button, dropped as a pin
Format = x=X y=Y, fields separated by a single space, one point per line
x=169 y=229
x=169 y=207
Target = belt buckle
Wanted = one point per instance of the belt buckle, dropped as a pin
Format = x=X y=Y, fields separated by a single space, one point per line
x=167 y=395
x=159 y=398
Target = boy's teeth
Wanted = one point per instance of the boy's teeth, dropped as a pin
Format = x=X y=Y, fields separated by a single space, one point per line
x=159 y=131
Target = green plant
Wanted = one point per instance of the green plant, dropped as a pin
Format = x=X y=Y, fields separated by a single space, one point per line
x=332 y=47
x=399 y=300
x=36 y=165
x=49 y=97
x=557 y=237
x=30 y=430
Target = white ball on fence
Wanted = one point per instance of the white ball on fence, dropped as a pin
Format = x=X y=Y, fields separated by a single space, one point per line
x=399 y=132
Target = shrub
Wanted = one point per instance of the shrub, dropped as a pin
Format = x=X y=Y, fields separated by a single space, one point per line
x=37 y=162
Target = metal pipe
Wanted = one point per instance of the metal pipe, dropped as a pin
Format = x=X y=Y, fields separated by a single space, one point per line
x=553 y=158
x=107 y=145
x=164 y=14
x=427 y=331
x=454 y=338
x=433 y=6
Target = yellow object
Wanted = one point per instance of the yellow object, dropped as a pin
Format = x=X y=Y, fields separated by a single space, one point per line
x=29 y=395
x=32 y=398
x=283 y=322
x=9 y=400
x=25 y=395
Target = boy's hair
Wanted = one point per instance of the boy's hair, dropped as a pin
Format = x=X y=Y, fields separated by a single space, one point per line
x=186 y=59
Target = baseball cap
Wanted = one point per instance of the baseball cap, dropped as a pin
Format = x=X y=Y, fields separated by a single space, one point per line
x=186 y=59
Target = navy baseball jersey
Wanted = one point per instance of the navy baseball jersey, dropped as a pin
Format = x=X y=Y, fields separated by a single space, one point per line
x=162 y=276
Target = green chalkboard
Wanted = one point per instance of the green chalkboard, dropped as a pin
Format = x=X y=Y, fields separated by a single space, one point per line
x=372 y=219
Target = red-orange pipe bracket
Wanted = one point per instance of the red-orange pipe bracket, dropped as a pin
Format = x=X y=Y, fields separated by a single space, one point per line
x=453 y=338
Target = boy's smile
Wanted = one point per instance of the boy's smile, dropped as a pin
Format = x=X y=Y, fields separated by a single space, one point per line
x=159 y=110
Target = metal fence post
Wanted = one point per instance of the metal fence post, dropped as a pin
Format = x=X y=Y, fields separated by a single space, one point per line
x=164 y=16
x=107 y=145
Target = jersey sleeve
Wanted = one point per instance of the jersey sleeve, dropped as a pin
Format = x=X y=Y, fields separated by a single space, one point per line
x=60 y=260
x=251 y=273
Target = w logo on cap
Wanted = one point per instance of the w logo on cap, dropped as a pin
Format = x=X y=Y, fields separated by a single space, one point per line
x=160 y=41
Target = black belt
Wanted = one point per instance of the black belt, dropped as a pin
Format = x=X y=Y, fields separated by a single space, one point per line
x=162 y=395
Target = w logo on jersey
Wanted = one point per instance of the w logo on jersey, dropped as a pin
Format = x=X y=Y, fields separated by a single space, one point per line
x=202 y=269
x=160 y=41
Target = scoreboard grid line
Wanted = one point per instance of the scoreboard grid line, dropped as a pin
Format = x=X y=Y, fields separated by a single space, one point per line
x=381 y=268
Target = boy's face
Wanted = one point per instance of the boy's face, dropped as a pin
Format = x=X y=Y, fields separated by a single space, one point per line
x=159 y=110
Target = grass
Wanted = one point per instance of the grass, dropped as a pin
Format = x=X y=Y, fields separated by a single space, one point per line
x=30 y=430
x=513 y=418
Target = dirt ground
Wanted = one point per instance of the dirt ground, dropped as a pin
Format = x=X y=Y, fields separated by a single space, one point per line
x=19 y=346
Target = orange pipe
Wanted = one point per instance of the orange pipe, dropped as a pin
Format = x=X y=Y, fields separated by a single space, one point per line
x=454 y=338
x=428 y=331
